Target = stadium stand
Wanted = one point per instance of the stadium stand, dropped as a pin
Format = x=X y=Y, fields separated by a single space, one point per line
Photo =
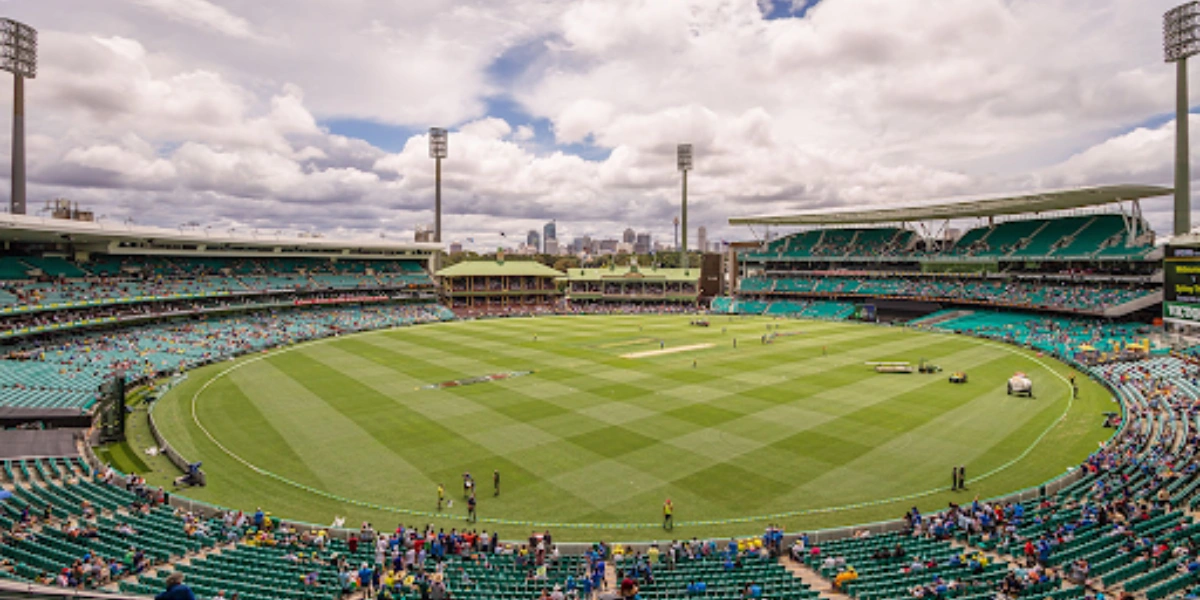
x=1077 y=251
x=831 y=311
x=66 y=528
x=721 y=580
x=63 y=285
x=897 y=565
x=1084 y=237
x=65 y=370
x=840 y=243
x=1102 y=236
x=1073 y=340
x=147 y=301
x=1052 y=295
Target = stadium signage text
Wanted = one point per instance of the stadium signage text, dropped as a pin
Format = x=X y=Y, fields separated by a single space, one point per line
x=1183 y=312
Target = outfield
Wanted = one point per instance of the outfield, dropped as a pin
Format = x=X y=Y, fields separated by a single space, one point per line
x=591 y=443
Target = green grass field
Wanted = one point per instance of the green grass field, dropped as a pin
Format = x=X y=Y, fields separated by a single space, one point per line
x=591 y=443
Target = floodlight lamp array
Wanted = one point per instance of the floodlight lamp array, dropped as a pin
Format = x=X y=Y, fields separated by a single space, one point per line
x=439 y=144
x=18 y=48
x=684 y=157
x=1181 y=32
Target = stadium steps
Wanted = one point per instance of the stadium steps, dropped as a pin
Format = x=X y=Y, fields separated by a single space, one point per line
x=992 y=555
x=969 y=242
x=1026 y=241
x=156 y=573
x=610 y=579
x=813 y=579
x=1134 y=305
x=941 y=317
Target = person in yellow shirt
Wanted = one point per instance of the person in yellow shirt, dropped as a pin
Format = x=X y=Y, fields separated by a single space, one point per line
x=668 y=515
x=441 y=496
x=844 y=577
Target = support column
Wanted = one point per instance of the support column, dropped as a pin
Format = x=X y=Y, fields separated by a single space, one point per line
x=17 y=205
x=683 y=250
x=437 y=203
x=1183 y=192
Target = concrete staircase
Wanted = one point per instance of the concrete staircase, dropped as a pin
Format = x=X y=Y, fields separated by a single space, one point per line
x=1146 y=301
x=924 y=322
x=814 y=580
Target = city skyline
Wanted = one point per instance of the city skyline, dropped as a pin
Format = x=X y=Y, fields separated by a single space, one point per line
x=629 y=241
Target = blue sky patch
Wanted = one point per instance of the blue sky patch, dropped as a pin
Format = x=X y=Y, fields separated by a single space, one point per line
x=385 y=137
x=543 y=142
x=787 y=9
x=1155 y=121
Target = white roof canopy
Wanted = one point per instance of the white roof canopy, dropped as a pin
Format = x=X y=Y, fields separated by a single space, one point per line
x=24 y=228
x=1036 y=202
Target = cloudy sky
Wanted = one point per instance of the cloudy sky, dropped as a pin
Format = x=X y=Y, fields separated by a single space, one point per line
x=306 y=115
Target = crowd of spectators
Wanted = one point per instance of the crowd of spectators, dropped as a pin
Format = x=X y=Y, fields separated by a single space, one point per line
x=151 y=310
x=160 y=277
x=1066 y=296
x=147 y=350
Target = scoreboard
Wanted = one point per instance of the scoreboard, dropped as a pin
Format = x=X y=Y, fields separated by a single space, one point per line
x=1181 y=284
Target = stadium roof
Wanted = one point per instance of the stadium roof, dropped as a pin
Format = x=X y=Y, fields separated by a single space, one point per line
x=1037 y=202
x=499 y=268
x=627 y=273
x=128 y=238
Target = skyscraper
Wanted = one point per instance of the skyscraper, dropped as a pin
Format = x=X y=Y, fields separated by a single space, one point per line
x=534 y=240
x=702 y=239
x=550 y=231
x=629 y=237
x=581 y=245
x=642 y=245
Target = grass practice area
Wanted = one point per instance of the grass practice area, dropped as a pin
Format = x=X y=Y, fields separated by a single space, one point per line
x=603 y=428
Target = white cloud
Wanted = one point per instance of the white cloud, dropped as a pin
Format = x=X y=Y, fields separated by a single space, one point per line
x=863 y=102
x=202 y=13
x=489 y=128
x=1143 y=154
x=523 y=133
x=120 y=160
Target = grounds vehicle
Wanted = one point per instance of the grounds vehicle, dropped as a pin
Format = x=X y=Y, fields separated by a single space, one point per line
x=1020 y=385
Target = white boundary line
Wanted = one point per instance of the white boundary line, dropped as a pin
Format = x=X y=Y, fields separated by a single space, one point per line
x=1024 y=353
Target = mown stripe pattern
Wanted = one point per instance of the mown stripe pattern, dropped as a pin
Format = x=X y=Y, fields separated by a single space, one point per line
x=593 y=437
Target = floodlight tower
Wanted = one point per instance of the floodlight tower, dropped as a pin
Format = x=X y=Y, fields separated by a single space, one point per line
x=438 y=149
x=683 y=156
x=18 y=55
x=1181 y=39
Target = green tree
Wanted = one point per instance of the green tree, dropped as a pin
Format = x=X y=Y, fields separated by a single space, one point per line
x=566 y=262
